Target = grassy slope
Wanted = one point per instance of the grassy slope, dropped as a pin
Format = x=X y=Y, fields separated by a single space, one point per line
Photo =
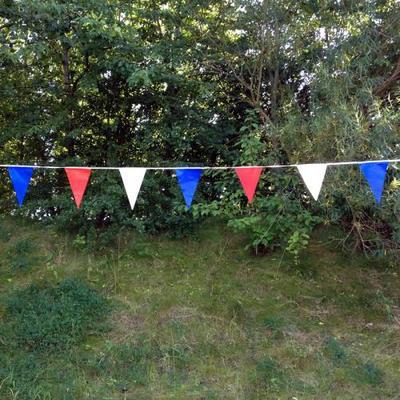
x=203 y=319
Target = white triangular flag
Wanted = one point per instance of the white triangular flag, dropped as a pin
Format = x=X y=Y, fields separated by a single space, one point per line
x=132 y=178
x=313 y=176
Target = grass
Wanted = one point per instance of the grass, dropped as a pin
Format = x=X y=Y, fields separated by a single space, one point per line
x=199 y=318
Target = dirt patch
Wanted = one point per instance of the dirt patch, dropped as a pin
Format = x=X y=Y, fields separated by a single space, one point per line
x=125 y=326
x=178 y=314
x=302 y=337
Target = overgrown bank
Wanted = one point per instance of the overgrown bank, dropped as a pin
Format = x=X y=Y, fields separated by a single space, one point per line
x=199 y=318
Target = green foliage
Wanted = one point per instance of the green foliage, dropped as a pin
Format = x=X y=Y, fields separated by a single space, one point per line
x=79 y=242
x=4 y=234
x=274 y=322
x=362 y=372
x=105 y=211
x=278 y=217
x=371 y=374
x=280 y=222
x=49 y=317
x=203 y=83
x=336 y=352
x=28 y=376
x=385 y=304
x=126 y=365
x=21 y=255
x=207 y=322
x=270 y=374
x=298 y=242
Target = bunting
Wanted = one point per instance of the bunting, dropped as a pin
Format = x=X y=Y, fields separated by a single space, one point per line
x=188 y=180
x=132 y=179
x=313 y=176
x=78 y=179
x=249 y=177
x=20 y=178
x=375 y=174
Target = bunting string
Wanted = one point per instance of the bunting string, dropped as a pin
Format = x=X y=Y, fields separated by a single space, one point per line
x=188 y=178
x=329 y=163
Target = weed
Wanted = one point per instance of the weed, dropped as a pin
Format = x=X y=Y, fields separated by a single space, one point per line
x=335 y=352
x=21 y=255
x=236 y=310
x=5 y=234
x=127 y=365
x=38 y=376
x=79 y=242
x=270 y=375
x=46 y=317
x=386 y=304
x=274 y=322
x=192 y=320
x=369 y=373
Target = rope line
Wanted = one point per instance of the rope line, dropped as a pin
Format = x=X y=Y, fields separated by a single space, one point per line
x=271 y=166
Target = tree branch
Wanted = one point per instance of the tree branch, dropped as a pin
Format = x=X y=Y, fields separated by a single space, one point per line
x=381 y=90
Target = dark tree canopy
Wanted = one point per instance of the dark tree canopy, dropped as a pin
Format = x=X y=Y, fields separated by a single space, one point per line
x=149 y=82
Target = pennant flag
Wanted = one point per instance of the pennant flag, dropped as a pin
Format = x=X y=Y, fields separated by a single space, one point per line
x=20 y=178
x=249 y=178
x=132 y=179
x=375 y=174
x=78 y=179
x=313 y=176
x=188 y=180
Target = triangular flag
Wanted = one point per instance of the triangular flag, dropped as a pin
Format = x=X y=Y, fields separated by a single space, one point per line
x=249 y=177
x=375 y=174
x=78 y=179
x=20 y=178
x=313 y=176
x=132 y=179
x=188 y=180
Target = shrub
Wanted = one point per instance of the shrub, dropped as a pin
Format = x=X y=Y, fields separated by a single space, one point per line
x=280 y=216
x=281 y=222
x=47 y=317
x=105 y=209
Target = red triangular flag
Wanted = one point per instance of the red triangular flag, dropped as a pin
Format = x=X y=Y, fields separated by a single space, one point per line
x=249 y=178
x=78 y=180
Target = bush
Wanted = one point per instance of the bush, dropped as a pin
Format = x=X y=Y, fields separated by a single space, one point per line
x=281 y=222
x=280 y=216
x=105 y=208
x=48 y=317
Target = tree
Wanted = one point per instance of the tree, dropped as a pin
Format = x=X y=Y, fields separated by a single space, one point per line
x=200 y=82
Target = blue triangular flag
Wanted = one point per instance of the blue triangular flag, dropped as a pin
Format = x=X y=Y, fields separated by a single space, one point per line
x=375 y=174
x=20 y=178
x=188 y=180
